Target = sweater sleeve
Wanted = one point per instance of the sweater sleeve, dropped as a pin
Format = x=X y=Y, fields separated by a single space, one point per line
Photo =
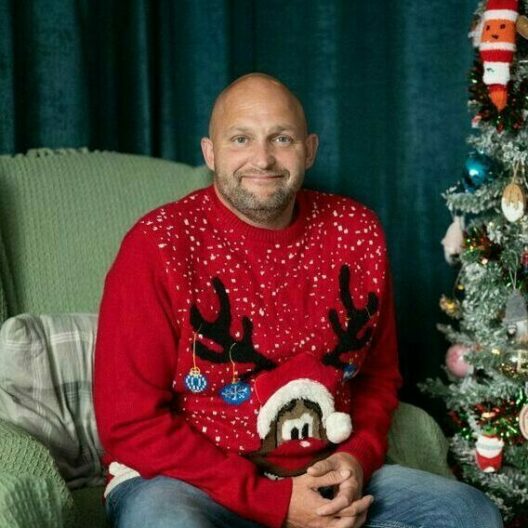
x=374 y=389
x=134 y=368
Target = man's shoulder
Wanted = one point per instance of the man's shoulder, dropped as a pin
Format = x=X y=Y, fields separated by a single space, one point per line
x=193 y=203
x=336 y=206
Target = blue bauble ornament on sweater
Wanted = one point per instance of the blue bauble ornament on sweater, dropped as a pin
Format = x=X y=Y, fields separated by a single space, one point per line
x=477 y=171
x=195 y=381
x=236 y=393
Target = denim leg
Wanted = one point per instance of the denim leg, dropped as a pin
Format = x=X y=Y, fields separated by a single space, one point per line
x=163 y=502
x=409 y=498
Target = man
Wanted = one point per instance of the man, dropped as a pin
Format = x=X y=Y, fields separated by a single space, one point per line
x=241 y=328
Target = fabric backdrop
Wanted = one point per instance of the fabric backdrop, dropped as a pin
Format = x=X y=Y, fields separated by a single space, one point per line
x=383 y=83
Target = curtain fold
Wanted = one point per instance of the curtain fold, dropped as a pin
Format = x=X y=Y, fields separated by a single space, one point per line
x=383 y=84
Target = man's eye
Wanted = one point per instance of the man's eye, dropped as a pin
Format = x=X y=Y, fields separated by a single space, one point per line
x=240 y=140
x=284 y=140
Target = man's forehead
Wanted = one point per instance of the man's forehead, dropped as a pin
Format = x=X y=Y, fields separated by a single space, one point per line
x=240 y=100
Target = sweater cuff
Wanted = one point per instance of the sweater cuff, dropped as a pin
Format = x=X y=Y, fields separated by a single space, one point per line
x=275 y=496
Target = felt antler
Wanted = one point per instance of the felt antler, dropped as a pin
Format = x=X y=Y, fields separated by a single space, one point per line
x=218 y=331
x=348 y=337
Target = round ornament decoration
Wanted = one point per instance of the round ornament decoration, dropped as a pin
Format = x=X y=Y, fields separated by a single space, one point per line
x=349 y=371
x=456 y=362
x=476 y=172
x=523 y=421
x=513 y=202
x=236 y=393
x=522 y=26
x=195 y=381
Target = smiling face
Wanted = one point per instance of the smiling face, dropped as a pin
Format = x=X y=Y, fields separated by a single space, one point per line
x=497 y=30
x=259 y=150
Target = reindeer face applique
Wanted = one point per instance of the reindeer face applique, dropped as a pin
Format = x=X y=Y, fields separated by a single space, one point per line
x=297 y=421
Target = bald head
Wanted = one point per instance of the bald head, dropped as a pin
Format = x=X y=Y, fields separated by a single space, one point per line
x=251 y=86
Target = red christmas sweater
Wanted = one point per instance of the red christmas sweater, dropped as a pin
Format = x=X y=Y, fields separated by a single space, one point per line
x=199 y=305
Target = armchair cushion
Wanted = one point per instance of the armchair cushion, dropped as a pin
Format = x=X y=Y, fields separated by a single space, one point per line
x=46 y=388
x=32 y=493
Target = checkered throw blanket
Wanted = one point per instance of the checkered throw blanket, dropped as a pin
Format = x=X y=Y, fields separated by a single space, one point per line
x=46 y=388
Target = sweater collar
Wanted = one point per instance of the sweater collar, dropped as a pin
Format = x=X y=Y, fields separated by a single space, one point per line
x=233 y=225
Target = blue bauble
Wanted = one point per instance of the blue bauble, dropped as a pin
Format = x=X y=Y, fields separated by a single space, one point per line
x=349 y=371
x=236 y=393
x=195 y=382
x=476 y=171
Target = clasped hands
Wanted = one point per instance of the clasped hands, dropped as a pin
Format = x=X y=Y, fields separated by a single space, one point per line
x=347 y=509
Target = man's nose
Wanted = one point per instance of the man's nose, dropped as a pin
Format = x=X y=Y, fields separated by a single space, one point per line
x=263 y=156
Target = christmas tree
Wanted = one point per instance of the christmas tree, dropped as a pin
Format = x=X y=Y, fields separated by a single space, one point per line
x=486 y=391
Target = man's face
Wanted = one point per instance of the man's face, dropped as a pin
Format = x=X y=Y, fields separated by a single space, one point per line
x=259 y=151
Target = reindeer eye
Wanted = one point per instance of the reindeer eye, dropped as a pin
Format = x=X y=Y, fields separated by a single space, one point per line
x=305 y=431
x=294 y=434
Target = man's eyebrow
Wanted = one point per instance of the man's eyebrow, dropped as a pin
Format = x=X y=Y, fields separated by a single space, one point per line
x=273 y=130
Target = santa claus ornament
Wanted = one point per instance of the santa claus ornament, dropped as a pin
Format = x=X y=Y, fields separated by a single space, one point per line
x=497 y=47
x=488 y=451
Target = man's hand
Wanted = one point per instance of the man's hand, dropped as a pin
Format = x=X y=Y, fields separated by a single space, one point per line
x=348 y=501
x=306 y=501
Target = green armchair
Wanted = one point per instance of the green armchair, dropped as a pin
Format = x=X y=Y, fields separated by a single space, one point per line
x=63 y=214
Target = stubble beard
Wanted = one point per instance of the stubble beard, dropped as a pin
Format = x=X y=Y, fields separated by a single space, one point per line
x=258 y=210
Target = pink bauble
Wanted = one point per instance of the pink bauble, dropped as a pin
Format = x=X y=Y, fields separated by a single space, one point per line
x=456 y=361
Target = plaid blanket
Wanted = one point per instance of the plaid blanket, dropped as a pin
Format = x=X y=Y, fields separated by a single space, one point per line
x=46 y=388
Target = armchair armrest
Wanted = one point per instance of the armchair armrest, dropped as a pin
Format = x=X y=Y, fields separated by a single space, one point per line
x=32 y=493
x=416 y=441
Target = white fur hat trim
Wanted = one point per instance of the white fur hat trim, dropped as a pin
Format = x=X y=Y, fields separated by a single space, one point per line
x=338 y=425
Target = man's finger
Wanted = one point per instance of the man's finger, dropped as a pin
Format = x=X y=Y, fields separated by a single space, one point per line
x=321 y=467
x=332 y=478
x=357 y=508
x=348 y=522
x=343 y=498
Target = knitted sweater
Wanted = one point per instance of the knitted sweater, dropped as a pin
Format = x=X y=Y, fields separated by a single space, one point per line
x=198 y=305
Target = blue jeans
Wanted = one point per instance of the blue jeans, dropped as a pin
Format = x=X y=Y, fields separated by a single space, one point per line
x=403 y=498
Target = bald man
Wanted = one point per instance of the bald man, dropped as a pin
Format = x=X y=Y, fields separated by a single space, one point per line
x=246 y=366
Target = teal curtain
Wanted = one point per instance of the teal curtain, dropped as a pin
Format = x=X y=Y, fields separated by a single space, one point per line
x=383 y=83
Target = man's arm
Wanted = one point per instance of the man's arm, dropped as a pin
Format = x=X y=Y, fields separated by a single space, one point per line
x=134 y=371
x=374 y=391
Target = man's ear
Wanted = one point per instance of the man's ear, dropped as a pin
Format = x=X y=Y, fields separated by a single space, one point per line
x=312 y=143
x=208 y=152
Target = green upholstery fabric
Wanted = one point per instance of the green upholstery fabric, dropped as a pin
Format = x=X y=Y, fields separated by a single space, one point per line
x=63 y=215
x=416 y=441
x=32 y=493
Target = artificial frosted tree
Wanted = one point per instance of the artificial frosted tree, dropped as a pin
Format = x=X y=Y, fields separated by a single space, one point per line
x=486 y=389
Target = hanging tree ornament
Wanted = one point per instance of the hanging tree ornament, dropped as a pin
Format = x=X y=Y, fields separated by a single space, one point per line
x=237 y=392
x=456 y=362
x=513 y=201
x=488 y=451
x=516 y=317
x=497 y=46
x=450 y=306
x=453 y=240
x=195 y=381
x=523 y=415
x=477 y=170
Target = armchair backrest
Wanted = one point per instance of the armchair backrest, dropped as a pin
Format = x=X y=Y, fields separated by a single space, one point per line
x=62 y=216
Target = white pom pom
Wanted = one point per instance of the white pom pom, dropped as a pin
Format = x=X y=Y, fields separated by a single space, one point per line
x=338 y=427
